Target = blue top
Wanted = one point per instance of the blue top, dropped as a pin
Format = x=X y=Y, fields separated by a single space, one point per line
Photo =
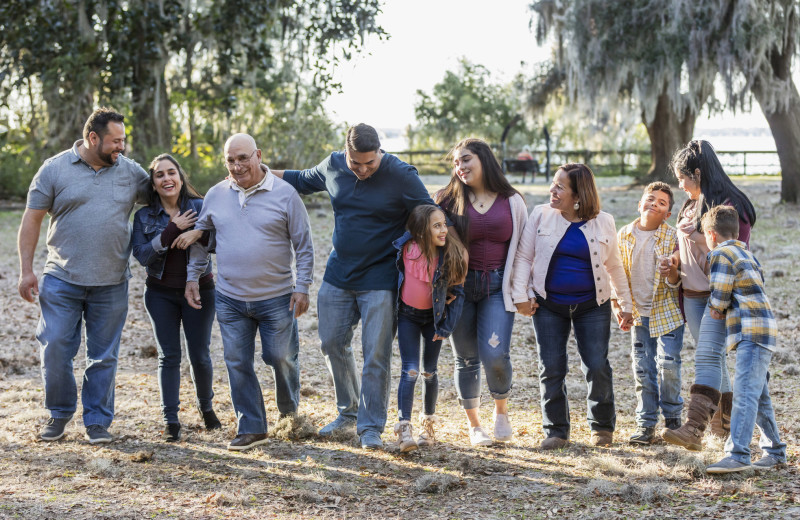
x=569 y=276
x=367 y=214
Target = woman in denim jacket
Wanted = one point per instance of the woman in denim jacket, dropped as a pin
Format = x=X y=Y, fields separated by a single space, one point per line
x=173 y=209
x=566 y=266
x=430 y=295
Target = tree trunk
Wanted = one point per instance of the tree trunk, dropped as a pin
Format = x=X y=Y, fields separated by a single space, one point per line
x=668 y=131
x=784 y=122
x=68 y=107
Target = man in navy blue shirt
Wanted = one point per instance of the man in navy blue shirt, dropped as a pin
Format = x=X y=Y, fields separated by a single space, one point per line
x=372 y=194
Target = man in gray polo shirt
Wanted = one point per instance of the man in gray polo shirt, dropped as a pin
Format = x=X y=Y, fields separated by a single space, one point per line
x=89 y=192
x=260 y=221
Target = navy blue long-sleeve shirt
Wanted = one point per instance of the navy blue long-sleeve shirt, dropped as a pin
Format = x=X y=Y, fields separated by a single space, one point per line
x=368 y=215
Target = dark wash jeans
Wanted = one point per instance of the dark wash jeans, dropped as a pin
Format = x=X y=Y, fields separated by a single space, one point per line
x=592 y=326
x=168 y=309
x=413 y=324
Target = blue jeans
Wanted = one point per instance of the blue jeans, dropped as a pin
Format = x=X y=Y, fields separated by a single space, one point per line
x=64 y=307
x=710 y=358
x=752 y=405
x=280 y=347
x=656 y=373
x=592 y=326
x=411 y=325
x=483 y=336
x=339 y=312
x=167 y=309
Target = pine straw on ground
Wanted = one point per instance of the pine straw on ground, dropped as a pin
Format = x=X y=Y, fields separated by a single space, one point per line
x=297 y=475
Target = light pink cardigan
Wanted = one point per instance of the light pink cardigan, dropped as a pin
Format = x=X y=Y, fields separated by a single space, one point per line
x=545 y=229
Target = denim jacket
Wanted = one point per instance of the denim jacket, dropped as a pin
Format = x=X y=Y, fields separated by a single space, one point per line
x=445 y=315
x=148 y=223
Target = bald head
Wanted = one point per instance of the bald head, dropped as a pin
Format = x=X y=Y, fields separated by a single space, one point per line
x=240 y=140
x=242 y=159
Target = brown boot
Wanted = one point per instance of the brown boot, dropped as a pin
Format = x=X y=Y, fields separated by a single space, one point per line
x=721 y=422
x=702 y=405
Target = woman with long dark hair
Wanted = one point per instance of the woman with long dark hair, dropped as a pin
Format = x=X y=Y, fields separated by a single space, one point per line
x=702 y=177
x=173 y=209
x=489 y=215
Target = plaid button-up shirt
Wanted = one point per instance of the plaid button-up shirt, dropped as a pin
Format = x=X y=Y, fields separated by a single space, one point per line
x=665 y=313
x=737 y=289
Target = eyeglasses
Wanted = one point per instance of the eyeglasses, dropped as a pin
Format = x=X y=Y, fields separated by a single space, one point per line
x=241 y=160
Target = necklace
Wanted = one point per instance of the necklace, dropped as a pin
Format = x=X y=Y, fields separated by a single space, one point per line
x=476 y=200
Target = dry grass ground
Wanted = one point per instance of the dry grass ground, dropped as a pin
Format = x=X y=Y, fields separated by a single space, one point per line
x=139 y=476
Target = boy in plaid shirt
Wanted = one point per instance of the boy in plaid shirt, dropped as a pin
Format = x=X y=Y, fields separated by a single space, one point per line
x=738 y=297
x=657 y=334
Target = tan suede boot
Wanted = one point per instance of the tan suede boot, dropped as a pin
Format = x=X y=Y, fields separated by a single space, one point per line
x=702 y=405
x=721 y=422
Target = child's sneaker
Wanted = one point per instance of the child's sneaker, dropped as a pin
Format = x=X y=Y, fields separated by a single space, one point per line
x=405 y=440
x=427 y=436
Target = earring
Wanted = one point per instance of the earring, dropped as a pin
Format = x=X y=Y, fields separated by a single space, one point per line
x=576 y=206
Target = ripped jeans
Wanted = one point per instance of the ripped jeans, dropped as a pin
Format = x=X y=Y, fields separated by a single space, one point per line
x=656 y=373
x=413 y=324
x=482 y=336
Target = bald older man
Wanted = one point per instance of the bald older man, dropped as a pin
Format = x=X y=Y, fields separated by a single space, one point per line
x=259 y=220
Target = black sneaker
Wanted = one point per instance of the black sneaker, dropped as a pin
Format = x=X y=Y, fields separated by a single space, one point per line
x=644 y=435
x=211 y=420
x=53 y=429
x=96 y=434
x=172 y=432
x=672 y=424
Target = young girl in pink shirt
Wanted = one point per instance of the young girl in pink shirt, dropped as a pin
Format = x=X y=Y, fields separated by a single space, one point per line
x=429 y=298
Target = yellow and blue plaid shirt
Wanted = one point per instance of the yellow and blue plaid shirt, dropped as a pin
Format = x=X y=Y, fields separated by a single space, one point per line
x=737 y=289
x=665 y=313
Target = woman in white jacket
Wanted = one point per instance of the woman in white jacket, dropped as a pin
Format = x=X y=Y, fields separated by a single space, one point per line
x=565 y=268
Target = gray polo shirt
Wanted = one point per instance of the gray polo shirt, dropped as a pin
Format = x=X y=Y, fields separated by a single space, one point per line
x=88 y=238
x=258 y=233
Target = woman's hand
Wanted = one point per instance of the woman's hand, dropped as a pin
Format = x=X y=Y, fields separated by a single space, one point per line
x=625 y=320
x=527 y=308
x=437 y=337
x=186 y=220
x=187 y=238
x=717 y=315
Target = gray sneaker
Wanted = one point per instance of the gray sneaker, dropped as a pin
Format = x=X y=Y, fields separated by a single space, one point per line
x=96 y=434
x=53 y=429
x=371 y=440
x=727 y=465
x=339 y=425
x=767 y=462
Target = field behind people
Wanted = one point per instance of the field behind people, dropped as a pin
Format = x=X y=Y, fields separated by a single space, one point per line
x=297 y=475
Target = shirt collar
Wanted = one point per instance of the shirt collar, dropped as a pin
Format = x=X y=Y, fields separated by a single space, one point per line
x=265 y=184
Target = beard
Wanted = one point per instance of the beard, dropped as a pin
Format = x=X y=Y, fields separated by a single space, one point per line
x=106 y=157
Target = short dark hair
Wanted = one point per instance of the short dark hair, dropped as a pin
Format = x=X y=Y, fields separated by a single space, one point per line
x=722 y=219
x=581 y=182
x=362 y=138
x=98 y=122
x=660 y=186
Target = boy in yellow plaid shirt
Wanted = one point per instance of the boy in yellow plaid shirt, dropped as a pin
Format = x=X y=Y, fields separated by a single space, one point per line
x=738 y=297
x=657 y=334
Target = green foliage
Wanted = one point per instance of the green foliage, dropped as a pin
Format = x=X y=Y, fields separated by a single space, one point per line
x=466 y=103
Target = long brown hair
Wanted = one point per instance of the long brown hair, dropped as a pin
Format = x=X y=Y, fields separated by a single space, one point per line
x=454 y=197
x=453 y=263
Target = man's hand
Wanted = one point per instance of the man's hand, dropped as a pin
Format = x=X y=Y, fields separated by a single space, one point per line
x=437 y=337
x=717 y=315
x=28 y=286
x=298 y=303
x=192 y=295
x=186 y=239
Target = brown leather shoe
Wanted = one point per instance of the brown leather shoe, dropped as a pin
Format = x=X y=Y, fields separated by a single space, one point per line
x=246 y=441
x=702 y=405
x=554 y=443
x=602 y=438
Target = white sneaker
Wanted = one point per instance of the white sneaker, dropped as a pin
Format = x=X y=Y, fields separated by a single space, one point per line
x=428 y=435
x=479 y=437
x=405 y=440
x=502 y=428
